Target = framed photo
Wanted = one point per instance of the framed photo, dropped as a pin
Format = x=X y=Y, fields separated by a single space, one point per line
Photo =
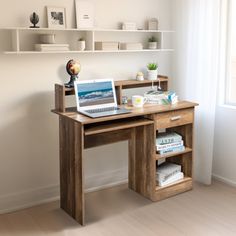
x=84 y=14
x=153 y=24
x=56 y=17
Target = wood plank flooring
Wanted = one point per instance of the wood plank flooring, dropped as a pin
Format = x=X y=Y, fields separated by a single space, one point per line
x=207 y=210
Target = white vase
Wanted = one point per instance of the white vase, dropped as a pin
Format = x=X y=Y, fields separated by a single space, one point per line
x=152 y=74
x=81 y=45
x=152 y=45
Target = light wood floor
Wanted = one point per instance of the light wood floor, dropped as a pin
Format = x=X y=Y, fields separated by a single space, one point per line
x=119 y=211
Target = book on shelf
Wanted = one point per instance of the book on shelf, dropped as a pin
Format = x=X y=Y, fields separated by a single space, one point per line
x=169 y=145
x=166 y=170
x=172 y=149
x=177 y=176
x=131 y=46
x=52 y=47
x=107 y=46
x=167 y=138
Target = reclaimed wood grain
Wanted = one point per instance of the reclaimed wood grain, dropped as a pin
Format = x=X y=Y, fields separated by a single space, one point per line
x=142 y=160
x=140 y=128
x=61 y=91
x=71 y=168
x=116 y=125
x=59 y=98
x=148 y=109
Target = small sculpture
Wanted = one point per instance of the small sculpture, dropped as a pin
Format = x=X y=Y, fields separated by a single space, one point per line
x=34 y=19
x=73 y=68
x=139 y=76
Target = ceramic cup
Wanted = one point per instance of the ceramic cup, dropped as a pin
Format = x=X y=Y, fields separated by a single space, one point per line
x=138 y=101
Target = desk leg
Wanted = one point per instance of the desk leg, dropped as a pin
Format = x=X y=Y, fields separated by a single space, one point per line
x=71 y=168
x=142 y=160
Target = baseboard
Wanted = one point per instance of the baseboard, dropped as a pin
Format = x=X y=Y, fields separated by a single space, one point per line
x=224 y=180
x=18 y=201
x=26 y=199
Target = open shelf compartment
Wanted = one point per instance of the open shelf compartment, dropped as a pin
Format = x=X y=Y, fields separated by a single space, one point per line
x=183 y=158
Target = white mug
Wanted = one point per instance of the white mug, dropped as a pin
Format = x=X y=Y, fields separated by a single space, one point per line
x=138 y=101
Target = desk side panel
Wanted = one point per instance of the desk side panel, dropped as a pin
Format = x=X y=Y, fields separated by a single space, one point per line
x=142 y=160
x=71 y=168
x=59 y=98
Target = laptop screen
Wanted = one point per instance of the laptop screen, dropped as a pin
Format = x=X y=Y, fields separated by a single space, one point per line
x=97 y=93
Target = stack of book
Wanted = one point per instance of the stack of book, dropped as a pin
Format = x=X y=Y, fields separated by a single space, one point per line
x=161 y=98
x=168 y=173
x=129 y=26
x=107 y=46
x=131 y=46
x=52 y=47
x=169 y=142
x=172 y=97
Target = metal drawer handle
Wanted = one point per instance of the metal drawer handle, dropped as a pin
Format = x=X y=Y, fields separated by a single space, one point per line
x=175 y=118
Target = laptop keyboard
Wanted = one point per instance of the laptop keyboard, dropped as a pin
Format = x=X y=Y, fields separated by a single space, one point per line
x=98 y=110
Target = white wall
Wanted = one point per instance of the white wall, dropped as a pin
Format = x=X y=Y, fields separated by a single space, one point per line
x=29 y=170
x=224 y=161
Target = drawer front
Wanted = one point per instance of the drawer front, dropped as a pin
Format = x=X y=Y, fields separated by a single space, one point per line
x=174 y=118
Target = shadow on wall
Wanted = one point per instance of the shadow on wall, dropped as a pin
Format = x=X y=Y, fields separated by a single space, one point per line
x=29 y=144
x=6 y=44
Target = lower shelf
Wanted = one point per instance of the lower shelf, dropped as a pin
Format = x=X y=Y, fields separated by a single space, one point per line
x=173 y=189
x=185 y=179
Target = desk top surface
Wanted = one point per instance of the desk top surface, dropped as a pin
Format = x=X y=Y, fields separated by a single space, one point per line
x=148 y=109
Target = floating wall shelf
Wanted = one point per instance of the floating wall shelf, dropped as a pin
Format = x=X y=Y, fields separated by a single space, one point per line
x=24 y=39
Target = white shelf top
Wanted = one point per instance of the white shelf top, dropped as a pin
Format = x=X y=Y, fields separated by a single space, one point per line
x=143 y=50
x=85 y=52
x=134 y=31
x=43 y=29
x=87 y=29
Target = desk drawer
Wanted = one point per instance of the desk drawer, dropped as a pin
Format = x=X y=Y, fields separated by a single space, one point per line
x=174 y=118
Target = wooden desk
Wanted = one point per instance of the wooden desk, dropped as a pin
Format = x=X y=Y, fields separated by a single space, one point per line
x=140 y=128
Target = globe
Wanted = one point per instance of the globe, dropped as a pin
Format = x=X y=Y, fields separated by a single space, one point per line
x=73 y=68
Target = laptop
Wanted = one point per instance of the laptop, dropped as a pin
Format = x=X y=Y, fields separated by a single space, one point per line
x=97 y=98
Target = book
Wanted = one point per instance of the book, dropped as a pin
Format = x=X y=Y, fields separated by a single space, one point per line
x=52 y=47
x=169 y=145
x=166 y=170
x=170 y=95
x=161 y=98
x=156 y=97
x=172 y=179
x=172 y=149
x=129 y=26
x=175 y=100
x=106 y=46
x=131 y=46
x=168 y=137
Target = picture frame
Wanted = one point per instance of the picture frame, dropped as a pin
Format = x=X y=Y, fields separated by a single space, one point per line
x=56 y=17
x=84 y=14
x=153 y=24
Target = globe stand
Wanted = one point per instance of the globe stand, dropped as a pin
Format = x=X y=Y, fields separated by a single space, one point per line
x=70 y=84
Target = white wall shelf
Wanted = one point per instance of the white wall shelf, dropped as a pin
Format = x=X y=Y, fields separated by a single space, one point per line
x=87 y=51
x=24 y=39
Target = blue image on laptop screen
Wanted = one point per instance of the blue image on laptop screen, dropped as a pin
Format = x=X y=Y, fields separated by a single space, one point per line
x=98 y=93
